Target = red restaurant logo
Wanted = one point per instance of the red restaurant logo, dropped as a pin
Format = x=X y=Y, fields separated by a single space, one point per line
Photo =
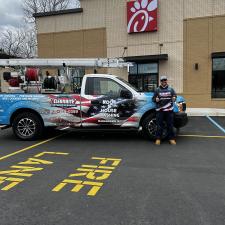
x=142 y=16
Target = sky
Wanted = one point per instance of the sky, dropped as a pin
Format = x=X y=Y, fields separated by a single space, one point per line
x=11 y=13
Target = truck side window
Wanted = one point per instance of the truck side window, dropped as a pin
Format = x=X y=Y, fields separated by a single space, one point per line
x=104 y=86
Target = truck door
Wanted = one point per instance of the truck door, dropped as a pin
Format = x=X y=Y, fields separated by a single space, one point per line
x=109 y=103
x=64 y=110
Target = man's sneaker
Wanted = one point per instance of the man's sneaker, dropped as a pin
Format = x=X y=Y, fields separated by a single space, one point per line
x=158 y=142
x=173 y=142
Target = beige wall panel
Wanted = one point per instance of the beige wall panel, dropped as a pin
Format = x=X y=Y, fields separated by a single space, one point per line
x=170 y=20
x=219 y=34
x=116 y=23
x=197 y=51
x=45 y=24
x=68 y=22
x=139 y=50
x=173 y=68
x=143 y=38
x=201 y=37
x=94 y=13
x=218 y=7
x=74 y=44
x=114 y=52
x=46 y=45
x=95 y=43
x=202 y=101
x=197 y=8
x=68 y=44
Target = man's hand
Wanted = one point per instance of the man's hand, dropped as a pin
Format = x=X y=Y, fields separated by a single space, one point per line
x=157 y=99
x=174 y=98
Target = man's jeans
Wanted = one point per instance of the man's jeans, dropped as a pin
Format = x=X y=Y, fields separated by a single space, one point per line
x=168 y=117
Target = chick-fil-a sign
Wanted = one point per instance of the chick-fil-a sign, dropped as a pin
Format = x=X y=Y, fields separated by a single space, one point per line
x=142 y=16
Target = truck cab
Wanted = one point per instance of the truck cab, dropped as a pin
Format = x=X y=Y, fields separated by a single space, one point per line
x=103 y=102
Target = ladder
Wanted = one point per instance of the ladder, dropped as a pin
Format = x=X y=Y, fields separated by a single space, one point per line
x=67 y=62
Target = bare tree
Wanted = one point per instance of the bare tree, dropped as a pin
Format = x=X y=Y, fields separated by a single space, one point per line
x=35 y=6
x=22 y=42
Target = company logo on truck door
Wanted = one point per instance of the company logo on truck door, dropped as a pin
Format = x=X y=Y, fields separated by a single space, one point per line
x=63 y=102
x=142 y=16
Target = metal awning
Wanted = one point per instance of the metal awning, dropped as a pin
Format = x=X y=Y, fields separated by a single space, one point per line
x=218 y=55
x=146 y=58
x=59 y=12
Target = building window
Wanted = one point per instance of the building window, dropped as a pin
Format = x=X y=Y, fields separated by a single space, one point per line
x=144 y=76
x=218 y=78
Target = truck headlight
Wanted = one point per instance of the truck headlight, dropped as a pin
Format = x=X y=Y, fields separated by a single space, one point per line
x=181 y=106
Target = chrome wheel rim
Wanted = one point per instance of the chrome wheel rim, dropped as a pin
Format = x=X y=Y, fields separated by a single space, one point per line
x=152 y=128
x=26 y=127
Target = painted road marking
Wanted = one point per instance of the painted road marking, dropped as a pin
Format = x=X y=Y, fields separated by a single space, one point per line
x=216 y=124
x=30 y=147
x=18 y=173
x=94 y=175
x=200 y=136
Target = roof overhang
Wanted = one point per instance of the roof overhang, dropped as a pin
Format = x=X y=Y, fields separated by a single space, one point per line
x=146 y=58
x=56 y=13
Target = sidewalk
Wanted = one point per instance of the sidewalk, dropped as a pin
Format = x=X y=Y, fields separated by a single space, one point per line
x=205 y=112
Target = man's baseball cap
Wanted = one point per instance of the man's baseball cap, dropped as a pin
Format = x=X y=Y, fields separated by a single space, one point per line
x=163 y=78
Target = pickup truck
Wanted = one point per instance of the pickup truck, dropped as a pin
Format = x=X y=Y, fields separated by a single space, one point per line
x=103 y=102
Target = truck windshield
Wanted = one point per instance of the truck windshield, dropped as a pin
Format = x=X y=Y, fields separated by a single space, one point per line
x=127 y=83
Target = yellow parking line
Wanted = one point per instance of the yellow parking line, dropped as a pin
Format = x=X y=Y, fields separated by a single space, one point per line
x=30 y=147
x=201 y=136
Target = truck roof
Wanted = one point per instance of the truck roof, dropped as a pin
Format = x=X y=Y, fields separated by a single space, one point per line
x=100 y=75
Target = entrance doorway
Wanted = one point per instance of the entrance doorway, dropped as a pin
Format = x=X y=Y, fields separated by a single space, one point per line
x=144 y=76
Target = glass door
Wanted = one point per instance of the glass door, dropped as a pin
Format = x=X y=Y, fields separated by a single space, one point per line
x=144 y=76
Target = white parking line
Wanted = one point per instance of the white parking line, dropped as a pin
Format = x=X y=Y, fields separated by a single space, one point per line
x=216 y=124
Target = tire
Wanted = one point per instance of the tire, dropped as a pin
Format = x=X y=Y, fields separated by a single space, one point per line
x=149 y=127
x=27 y=126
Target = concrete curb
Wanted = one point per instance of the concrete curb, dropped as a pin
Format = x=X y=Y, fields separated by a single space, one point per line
x=205 y=112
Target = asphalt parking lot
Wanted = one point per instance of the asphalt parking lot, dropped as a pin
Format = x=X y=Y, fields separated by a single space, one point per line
x=115 y=179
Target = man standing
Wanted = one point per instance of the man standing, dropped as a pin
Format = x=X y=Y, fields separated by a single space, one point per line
x=164 y=97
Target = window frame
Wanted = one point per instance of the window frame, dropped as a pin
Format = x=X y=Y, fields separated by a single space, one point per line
x=141 y=75
x=106 y=78
x=212 y=73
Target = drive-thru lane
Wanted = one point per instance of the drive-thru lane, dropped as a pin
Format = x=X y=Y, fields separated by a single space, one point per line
x=138 y=182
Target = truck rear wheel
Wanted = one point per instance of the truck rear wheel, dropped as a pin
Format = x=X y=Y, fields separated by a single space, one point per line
x=27 y=126
x=149 y=127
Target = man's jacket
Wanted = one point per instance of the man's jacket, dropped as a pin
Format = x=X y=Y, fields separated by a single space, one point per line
x=165 y=95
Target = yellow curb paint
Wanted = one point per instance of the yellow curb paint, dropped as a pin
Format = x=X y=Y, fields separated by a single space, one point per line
x=30 y=147
x=201 y=136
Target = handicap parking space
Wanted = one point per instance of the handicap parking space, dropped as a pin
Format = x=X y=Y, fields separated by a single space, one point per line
x=115 y=178
x=203 y=126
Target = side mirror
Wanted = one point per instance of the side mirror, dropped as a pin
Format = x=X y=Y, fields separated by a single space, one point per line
x=125 y=94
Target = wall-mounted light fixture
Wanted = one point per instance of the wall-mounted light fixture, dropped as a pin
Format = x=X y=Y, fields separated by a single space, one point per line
x=160 y=48
x=196 y=66
x=124 y=50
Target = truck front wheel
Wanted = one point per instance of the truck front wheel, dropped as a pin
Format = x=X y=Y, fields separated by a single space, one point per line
x=27 y=126
x=149 y=127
